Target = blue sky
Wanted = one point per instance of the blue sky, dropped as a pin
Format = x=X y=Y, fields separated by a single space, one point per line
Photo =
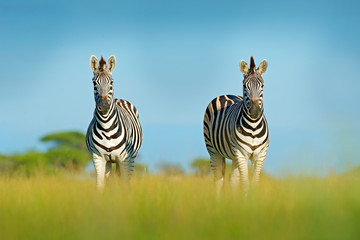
x=173 y=58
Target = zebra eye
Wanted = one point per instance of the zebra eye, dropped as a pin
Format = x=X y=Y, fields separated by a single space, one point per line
x=111 y=87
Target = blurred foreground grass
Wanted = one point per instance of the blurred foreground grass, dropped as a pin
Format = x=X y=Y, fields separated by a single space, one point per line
x=186 y=207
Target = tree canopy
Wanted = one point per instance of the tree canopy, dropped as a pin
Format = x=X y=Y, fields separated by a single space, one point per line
x=67 y=152
x=72 y=139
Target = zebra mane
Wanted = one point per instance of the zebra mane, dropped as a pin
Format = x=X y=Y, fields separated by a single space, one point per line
x=252 y=65
x=102 y=64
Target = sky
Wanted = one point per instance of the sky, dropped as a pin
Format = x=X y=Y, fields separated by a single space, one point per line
x=173 y=58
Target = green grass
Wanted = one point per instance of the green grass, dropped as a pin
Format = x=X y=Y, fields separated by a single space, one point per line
x=154 y=207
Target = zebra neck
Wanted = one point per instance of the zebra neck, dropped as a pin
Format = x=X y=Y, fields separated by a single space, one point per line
x=107 y=119
x=245 y=117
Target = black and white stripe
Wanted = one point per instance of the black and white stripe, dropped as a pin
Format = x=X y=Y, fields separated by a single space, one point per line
x=114 y=134
x=236 y=128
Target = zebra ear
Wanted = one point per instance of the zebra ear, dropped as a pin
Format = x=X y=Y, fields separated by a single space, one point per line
x=243 y=67
x=94 y=63
x=262 y=66
x=111 y=62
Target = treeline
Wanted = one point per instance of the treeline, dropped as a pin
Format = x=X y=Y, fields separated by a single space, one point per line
x=68 y=152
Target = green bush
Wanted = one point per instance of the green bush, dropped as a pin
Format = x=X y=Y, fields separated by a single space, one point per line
x=69 y=152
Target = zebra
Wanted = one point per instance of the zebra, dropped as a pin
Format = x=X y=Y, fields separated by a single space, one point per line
x=236 y=128
x=114 y=134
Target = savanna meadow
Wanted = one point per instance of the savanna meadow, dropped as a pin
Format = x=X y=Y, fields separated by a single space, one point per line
x=203 y=75
x=50 y=196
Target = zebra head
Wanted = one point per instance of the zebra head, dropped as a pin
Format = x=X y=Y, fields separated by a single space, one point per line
x=103 y=80
x=253 y=87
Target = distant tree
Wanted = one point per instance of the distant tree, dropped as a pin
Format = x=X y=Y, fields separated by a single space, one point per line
x=201 y=166
x=6 y=164
x=27 y=163
x=170 y=170
x=71 y=139
x=68 y=152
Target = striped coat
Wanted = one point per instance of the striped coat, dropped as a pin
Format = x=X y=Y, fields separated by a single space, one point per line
x=236 y=129
x=117 y=136
x=114 y=134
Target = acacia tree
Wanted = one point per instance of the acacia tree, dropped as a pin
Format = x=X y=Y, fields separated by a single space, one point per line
x=69 y=150
x=71 y=139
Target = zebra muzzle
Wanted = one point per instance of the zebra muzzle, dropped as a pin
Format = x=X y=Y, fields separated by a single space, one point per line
x=103 y=105
x=255 y=101
x=255 y=109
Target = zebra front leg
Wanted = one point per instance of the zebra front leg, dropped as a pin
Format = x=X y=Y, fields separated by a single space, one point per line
x=217 y=164
x=131 y=166
x=126 y=168
x=99 y=164
x=257 y=165
x=242 y=165
x=108 y=169
x=235 y=173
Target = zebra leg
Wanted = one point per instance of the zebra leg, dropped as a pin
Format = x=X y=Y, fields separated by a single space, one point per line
x=99 y=164
x=126 y=168
x=117 y=170
x=108 y=169
x=217 y=164
x=235 y=173
x=242 y=163
x=131 y=165
x=257 y=165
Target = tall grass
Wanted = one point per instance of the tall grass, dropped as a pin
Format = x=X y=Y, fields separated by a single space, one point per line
x=155 y=207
